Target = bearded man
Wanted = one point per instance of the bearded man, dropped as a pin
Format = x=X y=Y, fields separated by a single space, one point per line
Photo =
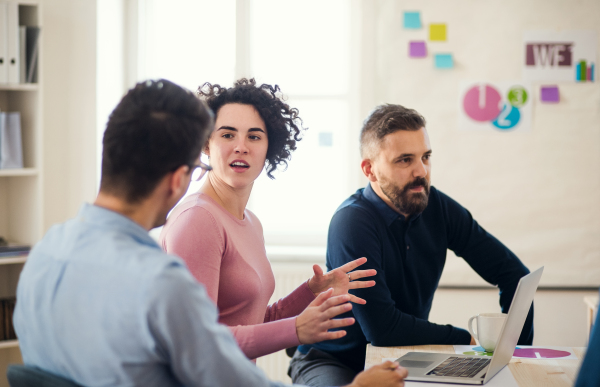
x=404 y=226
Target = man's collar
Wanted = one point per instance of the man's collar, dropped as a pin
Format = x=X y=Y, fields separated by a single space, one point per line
x=115 y=221
x=387 y=212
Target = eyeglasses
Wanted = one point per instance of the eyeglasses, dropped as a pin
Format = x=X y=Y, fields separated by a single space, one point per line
x=200 y=170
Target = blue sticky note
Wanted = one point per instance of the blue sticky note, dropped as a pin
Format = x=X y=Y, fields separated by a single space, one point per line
x=444 y=61
x=412 y=20
x=325 y=139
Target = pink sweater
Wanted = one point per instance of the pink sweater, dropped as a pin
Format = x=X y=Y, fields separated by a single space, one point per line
x=228 y=256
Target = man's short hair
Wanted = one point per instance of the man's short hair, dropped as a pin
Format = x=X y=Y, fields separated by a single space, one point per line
x=156 y=128
x=386 y=119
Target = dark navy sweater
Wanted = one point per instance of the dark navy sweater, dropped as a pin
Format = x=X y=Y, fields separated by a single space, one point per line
x=409 y=257
x=589 y=373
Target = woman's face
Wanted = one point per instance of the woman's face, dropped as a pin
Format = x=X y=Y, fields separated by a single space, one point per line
x=238 y=146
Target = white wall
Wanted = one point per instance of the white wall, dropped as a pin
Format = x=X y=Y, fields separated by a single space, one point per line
x=537 y=191
x=69 y=106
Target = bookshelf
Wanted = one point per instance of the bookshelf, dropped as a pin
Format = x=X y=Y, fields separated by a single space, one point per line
x=21 y=189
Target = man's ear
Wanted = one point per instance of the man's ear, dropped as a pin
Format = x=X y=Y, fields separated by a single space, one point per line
x=180 y=181
x=367 y=168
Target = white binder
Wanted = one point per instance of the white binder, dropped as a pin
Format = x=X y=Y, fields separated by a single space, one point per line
x=11 y=146
x=13 y=42
x=3 y=42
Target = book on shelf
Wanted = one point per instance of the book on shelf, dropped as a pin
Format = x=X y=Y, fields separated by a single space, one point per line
x=7 y=308
x=31 y=55
x=14 y=250
x=11 y=146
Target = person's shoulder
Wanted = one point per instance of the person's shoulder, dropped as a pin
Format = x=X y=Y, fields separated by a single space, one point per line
x=146 y=259
x=356 y=205
x=437 y=197
x=253 y=220
x=195 y=209
x=355 y=212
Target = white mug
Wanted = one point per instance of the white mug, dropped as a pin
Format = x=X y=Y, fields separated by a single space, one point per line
x=489 y=326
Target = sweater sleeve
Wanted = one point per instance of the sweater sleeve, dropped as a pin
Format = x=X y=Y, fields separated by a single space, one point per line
x=354 y=234
x=263 y=339
x=197 y=238
x=589 y=372
x=291 y=305
x=493 y=261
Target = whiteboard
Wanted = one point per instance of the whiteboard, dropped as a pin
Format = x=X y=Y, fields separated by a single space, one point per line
x=537 y=191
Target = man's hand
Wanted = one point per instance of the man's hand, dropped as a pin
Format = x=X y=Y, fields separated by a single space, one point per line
x=341 y=280
x=388 y=374
x=313 y=323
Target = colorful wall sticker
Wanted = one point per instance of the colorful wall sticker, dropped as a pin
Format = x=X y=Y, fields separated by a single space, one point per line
x=560 y=56
x=504 y=106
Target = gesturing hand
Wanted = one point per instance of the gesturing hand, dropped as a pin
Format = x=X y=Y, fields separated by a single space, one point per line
x=313 y=323
x=341 y=280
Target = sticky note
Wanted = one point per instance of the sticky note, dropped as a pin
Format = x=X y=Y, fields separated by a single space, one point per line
x=550 y=94
x=412 y=20
x=417 y=49
x=443 y=61
x=325 y=139
x=437 y=32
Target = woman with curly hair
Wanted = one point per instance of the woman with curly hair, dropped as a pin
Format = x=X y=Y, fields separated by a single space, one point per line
x=222 y=241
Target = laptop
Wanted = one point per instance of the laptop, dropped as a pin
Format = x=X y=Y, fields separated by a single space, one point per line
x=464 y=369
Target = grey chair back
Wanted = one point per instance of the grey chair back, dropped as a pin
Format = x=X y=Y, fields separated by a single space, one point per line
x=25 y=376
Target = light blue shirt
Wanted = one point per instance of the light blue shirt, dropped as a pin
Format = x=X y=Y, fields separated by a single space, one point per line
x=101 y=304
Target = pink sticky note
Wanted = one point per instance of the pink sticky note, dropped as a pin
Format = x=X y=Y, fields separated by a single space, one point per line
x=417 y=49
x=550 y=94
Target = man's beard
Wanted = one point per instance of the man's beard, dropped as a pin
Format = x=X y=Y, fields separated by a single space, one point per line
x=408 y=203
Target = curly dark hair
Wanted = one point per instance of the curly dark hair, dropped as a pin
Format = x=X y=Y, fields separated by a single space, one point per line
x=283 y=123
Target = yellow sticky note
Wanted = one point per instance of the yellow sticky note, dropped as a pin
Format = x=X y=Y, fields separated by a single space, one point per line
x=437 y=32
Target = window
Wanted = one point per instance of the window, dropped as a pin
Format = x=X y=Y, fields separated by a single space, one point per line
x=304 y=46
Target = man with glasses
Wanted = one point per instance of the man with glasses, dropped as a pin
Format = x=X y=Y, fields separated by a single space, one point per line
x=101 y=304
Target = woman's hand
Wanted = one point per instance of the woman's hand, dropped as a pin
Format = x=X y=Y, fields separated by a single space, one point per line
x=313 y=324
x=341 y=280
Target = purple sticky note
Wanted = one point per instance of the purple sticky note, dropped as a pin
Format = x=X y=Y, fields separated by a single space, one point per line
x=417 y=49
x=550 y=94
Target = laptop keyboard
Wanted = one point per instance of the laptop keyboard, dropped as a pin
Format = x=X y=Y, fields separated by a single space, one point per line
x=462 y=367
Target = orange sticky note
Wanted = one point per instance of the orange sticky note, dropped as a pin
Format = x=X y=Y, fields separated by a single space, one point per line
x=437 y=32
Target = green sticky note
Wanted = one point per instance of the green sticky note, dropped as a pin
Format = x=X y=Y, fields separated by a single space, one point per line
x=444 y=61
x=437 y=32
x=412 y=20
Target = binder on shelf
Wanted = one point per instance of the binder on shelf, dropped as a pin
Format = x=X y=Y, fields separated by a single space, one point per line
x=11 y=147
x=31 y=57
x=7 y=308
x=2 y=322
x=3 y=42
x=13 y=41
x=22 y=54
